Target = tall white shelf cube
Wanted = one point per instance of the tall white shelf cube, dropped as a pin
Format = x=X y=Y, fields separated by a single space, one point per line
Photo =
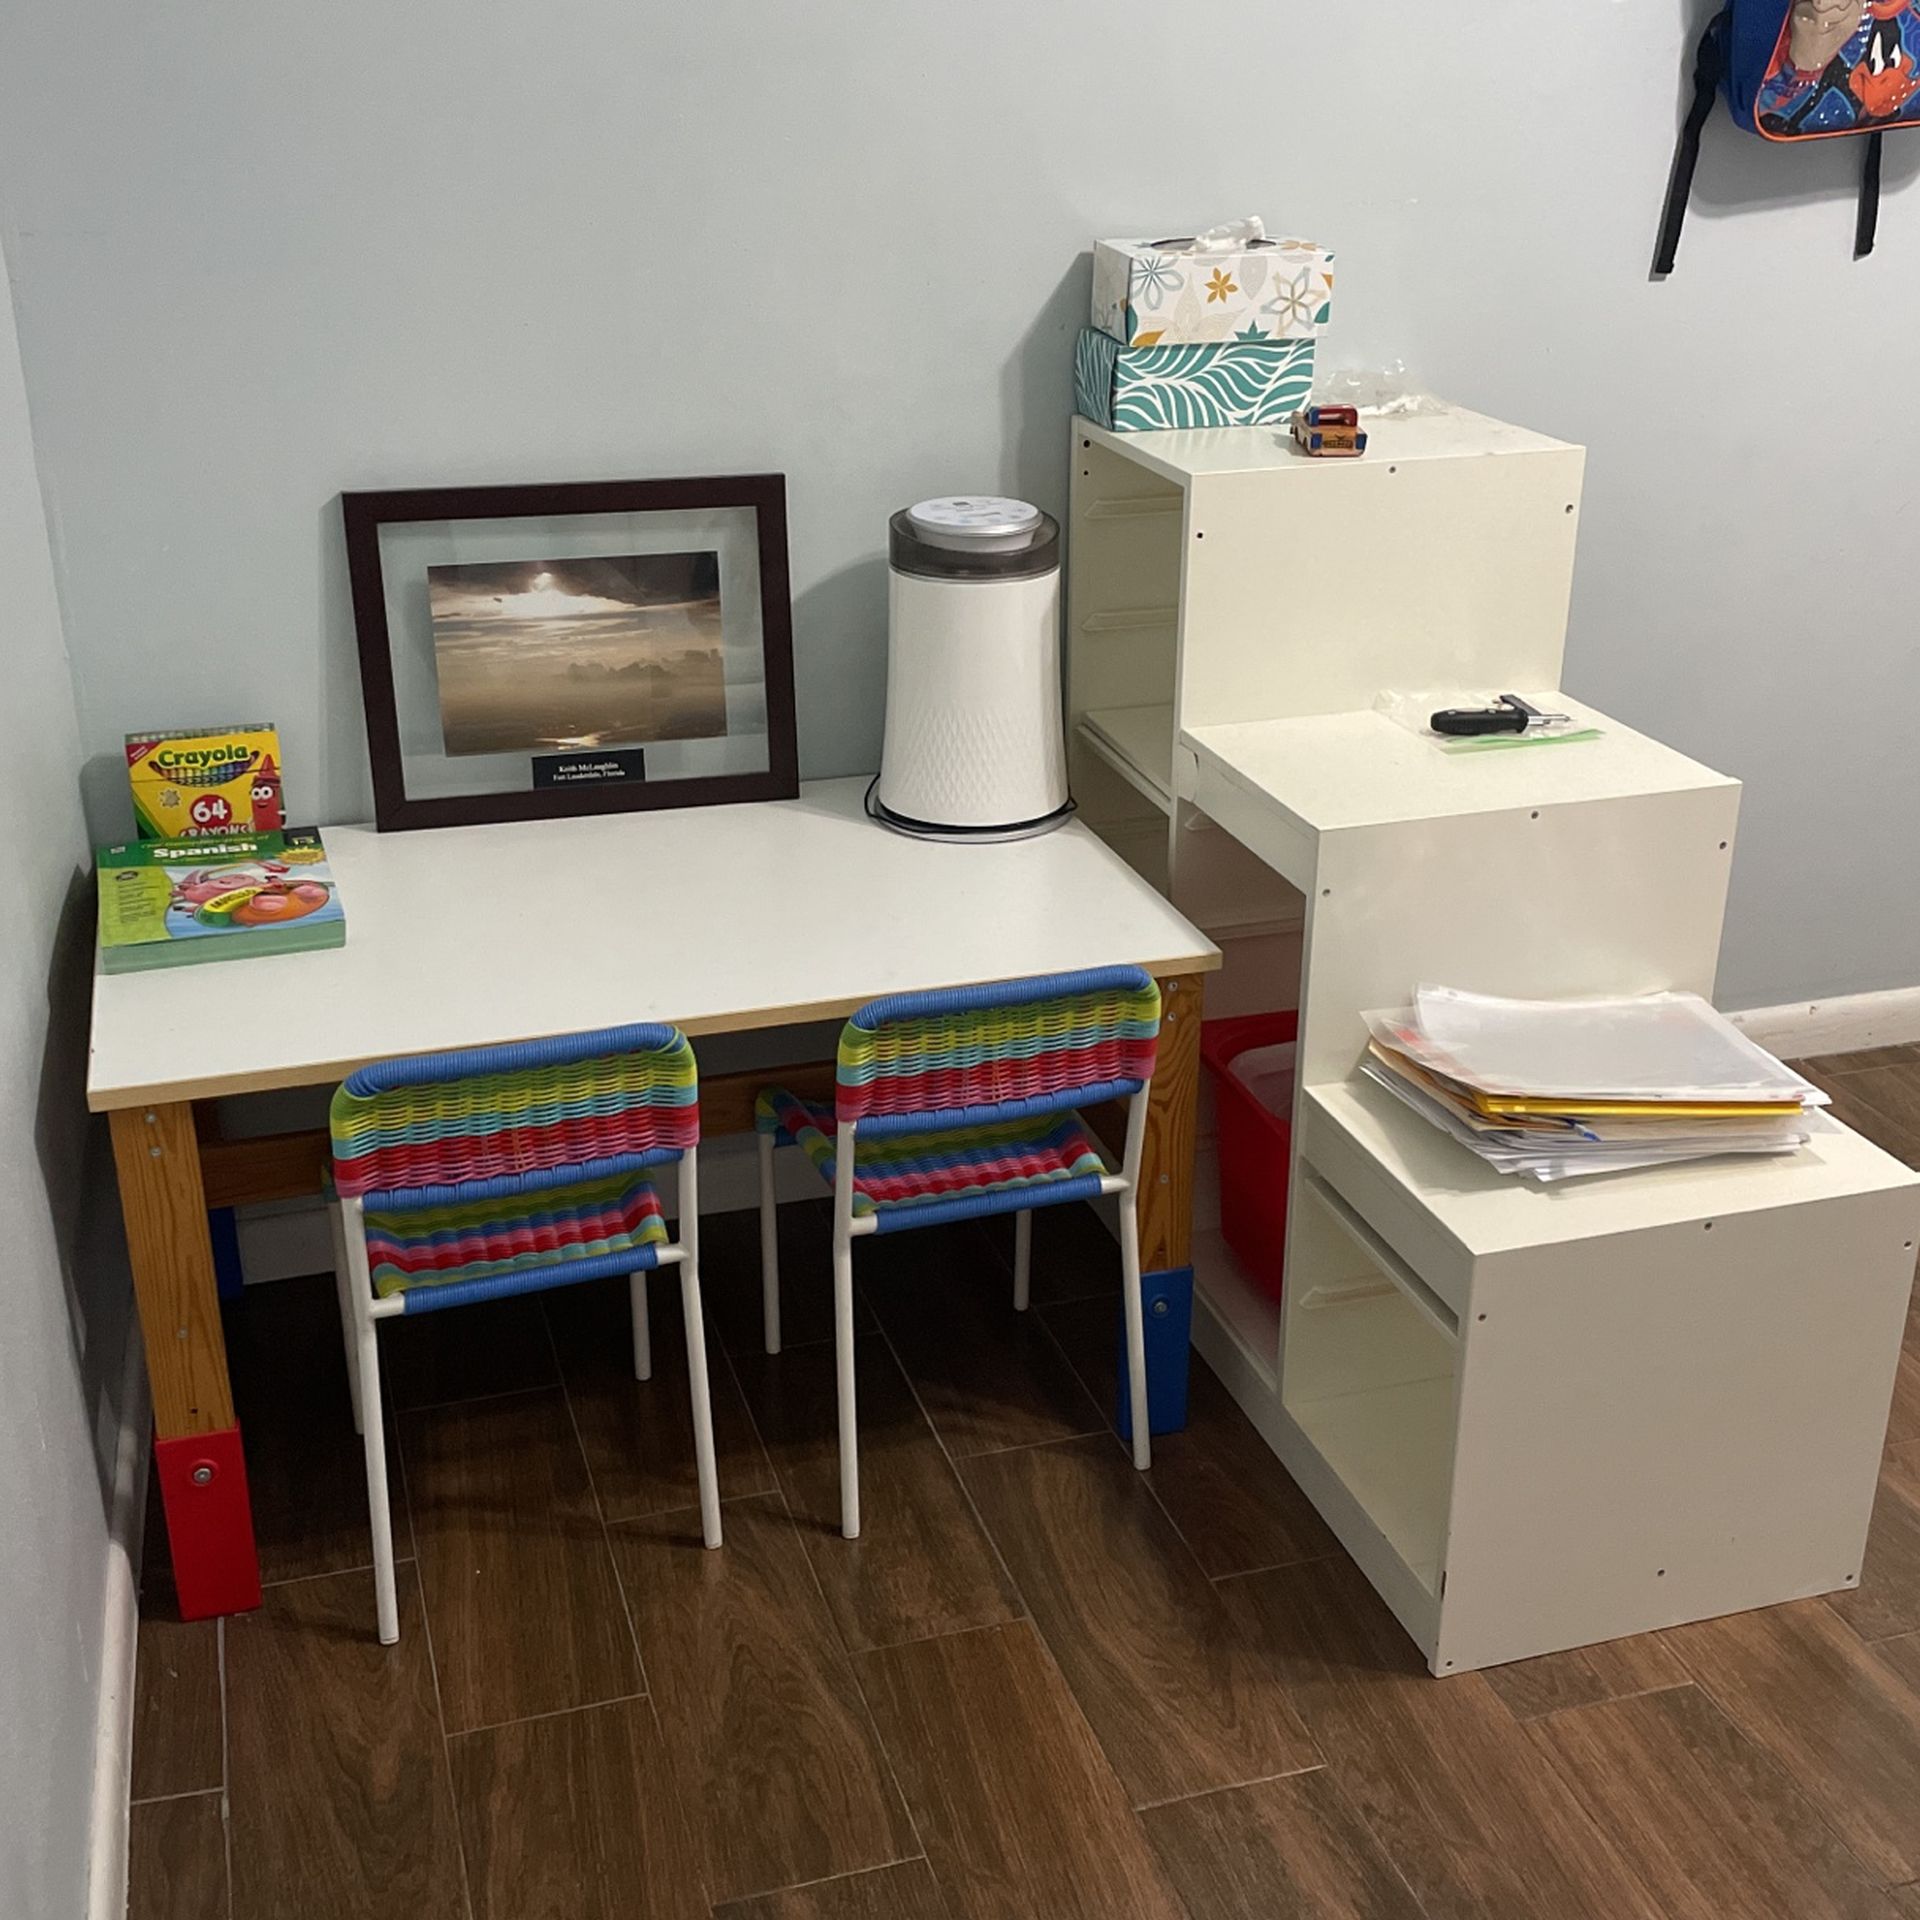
x=1537 y=1418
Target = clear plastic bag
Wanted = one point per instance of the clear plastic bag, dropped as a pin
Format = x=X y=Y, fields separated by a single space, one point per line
x=1377 y=391
x=1650 y=1046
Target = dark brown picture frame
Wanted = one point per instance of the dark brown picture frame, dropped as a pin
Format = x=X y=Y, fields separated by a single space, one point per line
x=366 y=513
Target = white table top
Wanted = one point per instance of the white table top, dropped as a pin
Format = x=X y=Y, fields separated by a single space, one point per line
x=718 y=919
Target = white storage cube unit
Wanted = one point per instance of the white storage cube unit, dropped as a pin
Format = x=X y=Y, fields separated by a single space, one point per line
x=1539 y=1418
x=1536 y=1418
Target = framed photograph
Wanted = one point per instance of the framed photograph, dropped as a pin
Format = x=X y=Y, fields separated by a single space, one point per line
x=533 y=652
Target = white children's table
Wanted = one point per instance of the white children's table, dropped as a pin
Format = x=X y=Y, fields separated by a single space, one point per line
x=717 y=919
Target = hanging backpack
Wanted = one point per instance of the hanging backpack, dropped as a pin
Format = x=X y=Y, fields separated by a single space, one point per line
x=1802 y=70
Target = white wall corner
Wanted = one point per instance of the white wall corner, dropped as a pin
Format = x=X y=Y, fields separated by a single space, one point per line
x=119 y=1637
x=1845 y=1024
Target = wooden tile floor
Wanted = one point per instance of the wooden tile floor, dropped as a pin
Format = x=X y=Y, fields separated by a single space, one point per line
x=1041 y=1685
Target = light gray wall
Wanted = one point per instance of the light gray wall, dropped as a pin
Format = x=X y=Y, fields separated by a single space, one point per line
x=64 y=1306
x=265 y=253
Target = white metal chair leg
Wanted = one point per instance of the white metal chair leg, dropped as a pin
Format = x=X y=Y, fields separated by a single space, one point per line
x=1131 y=1303
x=769 y=1248
x=697 y=1354
x=702 y=1406
x=349 y=1320
x=1136 y=1328
x=1022 y=1260
x=843 y=1365
x=642 y=1326
x=843 y=1331
x=379 y=1507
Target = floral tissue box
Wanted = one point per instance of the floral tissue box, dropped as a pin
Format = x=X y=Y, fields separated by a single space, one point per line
x=1184 y=292
x=1239 y=383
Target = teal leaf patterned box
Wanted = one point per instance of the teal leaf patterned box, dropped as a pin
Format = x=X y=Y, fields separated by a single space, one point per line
x=1163 y=293
x=1240 y=383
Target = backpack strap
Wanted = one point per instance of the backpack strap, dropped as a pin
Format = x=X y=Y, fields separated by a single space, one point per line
x=1709 y=66
x=1867 y=221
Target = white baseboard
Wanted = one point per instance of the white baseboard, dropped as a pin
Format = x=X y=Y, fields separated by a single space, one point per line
x=1845 y=1024
x=290 y=1238
x=120 y=1627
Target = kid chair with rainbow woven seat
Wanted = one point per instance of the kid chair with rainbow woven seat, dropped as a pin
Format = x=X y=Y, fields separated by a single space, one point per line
x=463 y=1177
x=957 y=1103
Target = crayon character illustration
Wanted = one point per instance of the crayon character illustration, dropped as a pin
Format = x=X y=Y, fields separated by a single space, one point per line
x=268 y=816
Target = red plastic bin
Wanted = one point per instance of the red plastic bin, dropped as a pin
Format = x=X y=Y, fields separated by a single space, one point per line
x=1255 y=1147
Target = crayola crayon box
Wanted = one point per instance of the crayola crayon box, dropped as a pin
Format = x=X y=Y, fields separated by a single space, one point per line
x=169 y=903
x=189 y=784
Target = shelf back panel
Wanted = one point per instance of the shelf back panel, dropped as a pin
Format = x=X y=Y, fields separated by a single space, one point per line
x=1315 y=591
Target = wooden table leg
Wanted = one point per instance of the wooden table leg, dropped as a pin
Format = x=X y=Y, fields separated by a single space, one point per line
x=203 y=1474
x=1166 y=1204
x=1166 y=1180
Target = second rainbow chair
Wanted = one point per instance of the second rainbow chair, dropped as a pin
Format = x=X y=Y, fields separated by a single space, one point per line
x=463 y=1177
x=953 y=1104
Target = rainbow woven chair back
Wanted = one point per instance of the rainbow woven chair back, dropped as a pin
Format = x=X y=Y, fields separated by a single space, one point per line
x=497 y=1120
x=965 y=1056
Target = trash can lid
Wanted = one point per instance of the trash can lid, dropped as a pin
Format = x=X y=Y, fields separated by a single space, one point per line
x=973 y=520
x=974 y=536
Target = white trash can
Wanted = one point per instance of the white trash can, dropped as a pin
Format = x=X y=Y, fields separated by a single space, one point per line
x=975 y=747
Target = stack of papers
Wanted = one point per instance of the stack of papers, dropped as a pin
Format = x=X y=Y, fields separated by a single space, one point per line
x=1553 y=1088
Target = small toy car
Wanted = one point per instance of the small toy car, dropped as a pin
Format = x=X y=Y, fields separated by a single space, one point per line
x=1330 y=432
